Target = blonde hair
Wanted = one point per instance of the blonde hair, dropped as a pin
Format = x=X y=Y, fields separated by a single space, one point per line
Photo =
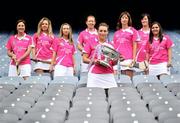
x=49 y=32
x=70 y=38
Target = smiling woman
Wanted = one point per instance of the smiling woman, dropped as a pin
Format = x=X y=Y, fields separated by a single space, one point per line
x=160 y=51
x=99 y=75
x=43 y=40
x=18 y=49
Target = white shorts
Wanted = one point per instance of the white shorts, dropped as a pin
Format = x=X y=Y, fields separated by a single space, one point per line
x=101 y=80
x=158 y=69
x=25 y=70
x=61 y=70
x=41 y=65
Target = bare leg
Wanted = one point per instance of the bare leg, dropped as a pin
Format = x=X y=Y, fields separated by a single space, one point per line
x=39 y=71
x=146 y=72
x=130 y=73
x=25 y=77
x=115 y=72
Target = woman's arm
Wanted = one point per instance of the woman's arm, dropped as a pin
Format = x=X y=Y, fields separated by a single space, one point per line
x=11 y=55
x=80 y=47
x=169 y=57
x=134 y=53
x=74 y=65
x=85 y=58
x=53 y=60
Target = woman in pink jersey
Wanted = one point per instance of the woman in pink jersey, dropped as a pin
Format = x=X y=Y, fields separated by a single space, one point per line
x=84 y=36
x=124 y=40
x=18 y=49
x=143 y=39
x=42 y=51
x=63 y=53
x=160 y=51
x=99 y=75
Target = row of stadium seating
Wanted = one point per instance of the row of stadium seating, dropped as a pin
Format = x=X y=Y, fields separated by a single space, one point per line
x=64 y=100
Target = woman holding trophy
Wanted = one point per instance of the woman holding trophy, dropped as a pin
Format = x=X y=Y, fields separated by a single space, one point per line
x=101 y=57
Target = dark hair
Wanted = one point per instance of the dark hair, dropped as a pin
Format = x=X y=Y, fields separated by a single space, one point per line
x=119 y=25
x=17 y=22
x=160 y=32
x=148 y=16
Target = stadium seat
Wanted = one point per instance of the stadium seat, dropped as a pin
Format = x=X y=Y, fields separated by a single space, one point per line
x=12 y=110
x=168 y=115
x=9 y=118
x=144 y=79
x=168 y=79
x=44 y=117
x=159 y=102
x=15 y=80
x=157 y=110
x=65 y=79
x=123 y=80
x=172 y=120
x=90 y=120
x=38 y=80
x=128 y=120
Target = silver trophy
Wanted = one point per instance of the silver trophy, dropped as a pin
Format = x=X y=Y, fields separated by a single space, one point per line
x=109 y=53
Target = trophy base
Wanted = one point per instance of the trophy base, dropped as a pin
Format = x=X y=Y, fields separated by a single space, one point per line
x=103 y=63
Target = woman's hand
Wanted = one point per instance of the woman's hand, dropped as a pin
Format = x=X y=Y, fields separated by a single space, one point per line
x=96 y=61
x=74 y=71
x=51 y=68
x=18 y=61
x=132 y=63
x=169 y=64
x=34 y=58
x=14 y=57
x=121 y=58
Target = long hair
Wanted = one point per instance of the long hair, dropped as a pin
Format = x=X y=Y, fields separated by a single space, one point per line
x=148 y=16
x=119 y=25
x=160 y=35
x=70 y=38
x=50 y=31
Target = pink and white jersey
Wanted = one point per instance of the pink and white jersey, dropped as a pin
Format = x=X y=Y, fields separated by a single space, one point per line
x=143 y=38
x=43 y=46
x=158 y=52
x=123 y=41
x=65 y=52
x=85 y=36
x=19 y=46
x=91 y=48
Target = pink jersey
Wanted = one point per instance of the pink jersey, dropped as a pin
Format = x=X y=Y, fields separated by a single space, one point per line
x=142 y=45
x=19 y=47
x=123 y=41
x=65 y=52
x=43 y=46
x=91 y=49
x=158 y=52
x=85 y=36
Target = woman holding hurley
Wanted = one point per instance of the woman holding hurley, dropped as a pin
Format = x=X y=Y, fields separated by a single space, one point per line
x=18 y=49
